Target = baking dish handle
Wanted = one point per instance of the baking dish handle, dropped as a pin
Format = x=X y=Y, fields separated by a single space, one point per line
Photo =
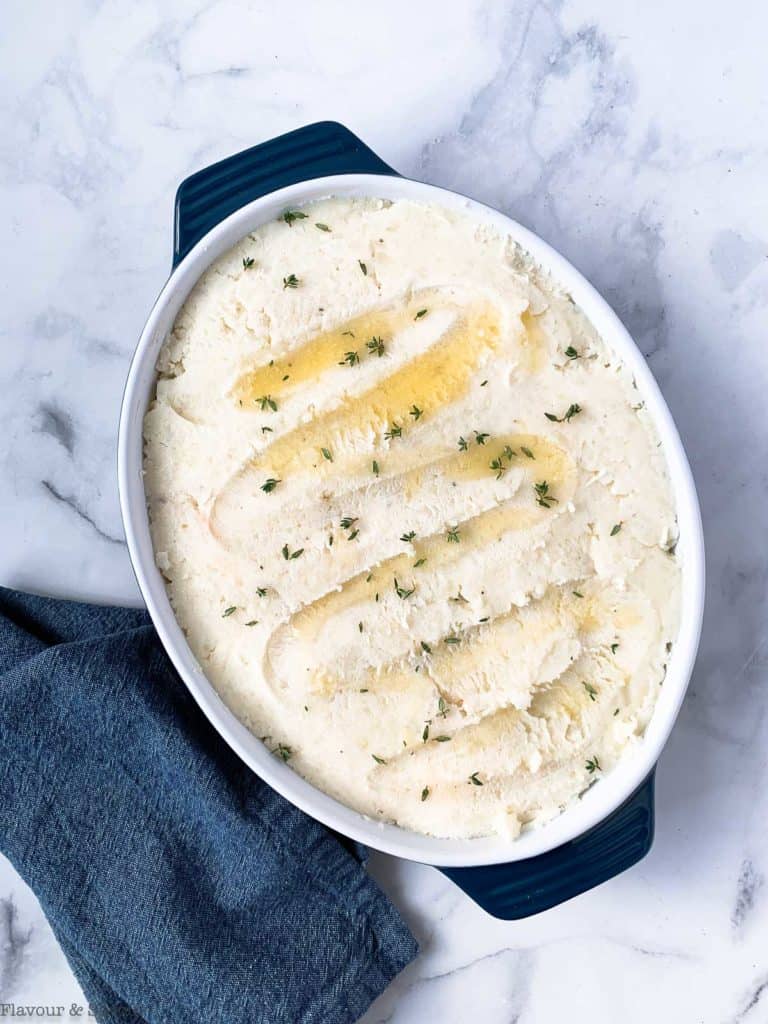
x=526 y=887
x=208 y=196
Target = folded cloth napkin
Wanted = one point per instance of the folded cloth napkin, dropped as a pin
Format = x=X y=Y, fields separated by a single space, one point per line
x=180 y=886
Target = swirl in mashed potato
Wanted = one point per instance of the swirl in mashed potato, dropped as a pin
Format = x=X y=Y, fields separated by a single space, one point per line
x=413 y=517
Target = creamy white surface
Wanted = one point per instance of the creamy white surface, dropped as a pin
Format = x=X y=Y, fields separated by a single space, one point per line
x=561 y=116
x=449 y=649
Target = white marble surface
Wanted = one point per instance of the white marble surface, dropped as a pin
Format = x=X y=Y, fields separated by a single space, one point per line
x=630 y=136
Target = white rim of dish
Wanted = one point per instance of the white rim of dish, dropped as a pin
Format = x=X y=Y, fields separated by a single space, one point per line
x=615 y=787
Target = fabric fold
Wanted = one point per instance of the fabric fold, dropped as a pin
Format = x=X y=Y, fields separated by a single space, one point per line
x=180 y=885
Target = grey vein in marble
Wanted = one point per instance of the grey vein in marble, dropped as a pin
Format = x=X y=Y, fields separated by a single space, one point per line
x=72 y=502
x=13 y=945
x=748 y=886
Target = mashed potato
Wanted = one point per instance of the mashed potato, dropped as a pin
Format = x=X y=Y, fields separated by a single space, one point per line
x=413 y=518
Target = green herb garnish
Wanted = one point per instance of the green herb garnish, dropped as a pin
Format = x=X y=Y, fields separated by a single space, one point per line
x=228 y=611
x=573 y=410
x=377 y=759
x=402 y=592
x=248 y=262
x=408 y=537
x=394 y=431
x=363 y=268
x=452 y=536
x=424 y=793
x=615 y=529
x=416 y=412
x=590 y=690
x=267 y=402
x=463 y=446
x=481 y=438
x=327 y=454
x=571 y=352
x=592 y=765
x=475 y=781
x=497 y=465
x=376 y=345
x=291 y=281
x=375 y=467
x=350 y=358
x=321 y=227
x=269 y=485
x=425 y=647
x=289 y=555
x=348 y=521
x=291 y=215
x=543 y=497
x=527 y=452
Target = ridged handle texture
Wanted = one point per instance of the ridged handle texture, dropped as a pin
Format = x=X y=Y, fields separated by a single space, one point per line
x=208 y=196
x=526 y=887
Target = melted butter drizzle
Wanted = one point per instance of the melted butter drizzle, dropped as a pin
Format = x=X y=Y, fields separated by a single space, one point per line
x=429 y=381
x=477 y=532
x=324 y=352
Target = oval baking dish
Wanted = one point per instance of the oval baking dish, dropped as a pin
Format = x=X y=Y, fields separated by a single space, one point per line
x=610 y=827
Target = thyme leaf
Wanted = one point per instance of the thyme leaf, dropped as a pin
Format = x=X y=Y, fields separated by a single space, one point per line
x=543 y=497
x=573 y=410
x=292 y=215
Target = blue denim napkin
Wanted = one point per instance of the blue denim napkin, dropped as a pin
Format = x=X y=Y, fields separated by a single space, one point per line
x=180 y=886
